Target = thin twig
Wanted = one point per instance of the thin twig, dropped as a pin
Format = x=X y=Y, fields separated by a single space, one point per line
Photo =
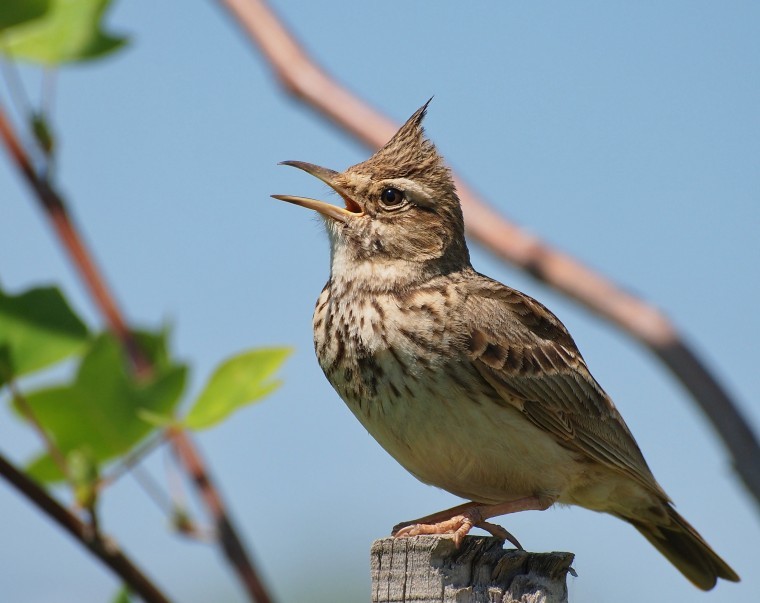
x=129 y=464
x=49 y=79
x=181 y=519
x=231 y=544
x=54 y=207
x=130 y=460
x=51 y=447
x=104 y=549
x=153 y=490
x=300 y=76
x=19 y=99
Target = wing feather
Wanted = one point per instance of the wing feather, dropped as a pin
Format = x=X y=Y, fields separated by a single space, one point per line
x=530 y=359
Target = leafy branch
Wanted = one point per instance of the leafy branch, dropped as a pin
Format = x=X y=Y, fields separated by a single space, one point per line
x=108 y=409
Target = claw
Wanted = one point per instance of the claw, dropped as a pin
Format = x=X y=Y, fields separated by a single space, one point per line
x=500 y=532
x=458 y=525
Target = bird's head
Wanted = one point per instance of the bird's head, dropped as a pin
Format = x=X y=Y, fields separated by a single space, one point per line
x=401 y=208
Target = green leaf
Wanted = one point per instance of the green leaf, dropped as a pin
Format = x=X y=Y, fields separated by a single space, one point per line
x=123 y=596
x=13 y=12
x=6 y=364
x=155 y=344
x=181 y=521
x=155 y=419
x=43 y=133
x=238 y=381
x=70 y=31
x=83 y=470
x=40 y=329
x=98 y=413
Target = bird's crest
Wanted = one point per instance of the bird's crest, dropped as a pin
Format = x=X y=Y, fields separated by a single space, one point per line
x=408 y=154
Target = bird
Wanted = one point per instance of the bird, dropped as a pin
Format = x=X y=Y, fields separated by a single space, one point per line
x=471 y=385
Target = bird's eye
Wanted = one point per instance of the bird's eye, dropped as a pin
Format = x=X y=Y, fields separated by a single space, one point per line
x=391 y=197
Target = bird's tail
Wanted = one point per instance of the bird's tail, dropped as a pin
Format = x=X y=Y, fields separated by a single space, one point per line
x=686 y=549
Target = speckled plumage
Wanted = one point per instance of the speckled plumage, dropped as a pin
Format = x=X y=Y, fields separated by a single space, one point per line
x=472 y=386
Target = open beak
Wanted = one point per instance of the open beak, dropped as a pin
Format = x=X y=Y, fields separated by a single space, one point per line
x=352 y=209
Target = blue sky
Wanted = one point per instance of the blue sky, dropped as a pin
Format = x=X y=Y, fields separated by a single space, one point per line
x=627 y=134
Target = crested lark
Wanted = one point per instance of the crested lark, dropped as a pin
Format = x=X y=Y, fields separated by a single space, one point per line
x=472 y=386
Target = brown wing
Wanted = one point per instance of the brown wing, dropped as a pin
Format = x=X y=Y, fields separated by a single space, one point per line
x=530 y=359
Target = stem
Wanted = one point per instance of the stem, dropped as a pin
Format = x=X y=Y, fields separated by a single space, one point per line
x=129 y=461
x=18 y=97
x=104 y=549
x=51 y=447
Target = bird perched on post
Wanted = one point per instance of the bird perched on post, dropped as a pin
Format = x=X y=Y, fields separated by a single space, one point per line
x=472 y=386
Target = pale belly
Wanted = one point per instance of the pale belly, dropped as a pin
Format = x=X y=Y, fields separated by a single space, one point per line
x=470 y=446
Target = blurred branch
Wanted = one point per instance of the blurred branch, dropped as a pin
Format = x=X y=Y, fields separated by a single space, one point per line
x=54 y=208
x=231 y=545
x=301 y=77
x=104 y=549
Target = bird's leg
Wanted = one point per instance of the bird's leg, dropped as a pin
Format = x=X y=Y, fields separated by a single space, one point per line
x=463 y=518
x=435 y=517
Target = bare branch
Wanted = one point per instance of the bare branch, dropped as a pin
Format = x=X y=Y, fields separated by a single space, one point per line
x=104 y=549
x=307 y=81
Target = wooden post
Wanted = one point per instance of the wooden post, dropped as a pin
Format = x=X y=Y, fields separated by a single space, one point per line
x=429 y=569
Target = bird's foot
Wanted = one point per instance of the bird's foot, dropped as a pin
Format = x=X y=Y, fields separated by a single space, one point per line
x=459 y=526
x=460 y=520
